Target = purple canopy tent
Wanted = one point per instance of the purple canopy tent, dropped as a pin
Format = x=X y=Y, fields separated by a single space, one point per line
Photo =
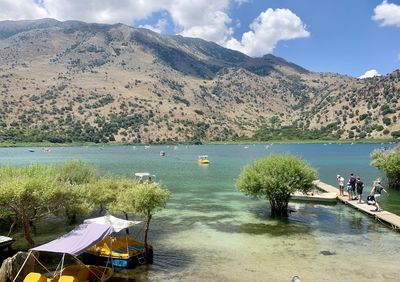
x=74 y=242
x=78 y=240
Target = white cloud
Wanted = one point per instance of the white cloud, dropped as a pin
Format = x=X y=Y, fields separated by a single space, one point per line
x=159 y=27
x=387 y=13
x=206 y=19
x=370 y=73
x=267 y=29
x=20 y=10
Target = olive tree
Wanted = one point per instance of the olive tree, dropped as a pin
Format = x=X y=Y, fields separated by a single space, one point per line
x=28 y=194
x=143 y=199
x=74 y=176
x=389 y=162
x=275 y=178
x=103 y=192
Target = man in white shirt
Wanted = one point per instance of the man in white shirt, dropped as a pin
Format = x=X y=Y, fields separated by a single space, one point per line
x=340 y=180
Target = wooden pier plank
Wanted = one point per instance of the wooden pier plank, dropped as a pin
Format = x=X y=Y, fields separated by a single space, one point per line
x=385 y=217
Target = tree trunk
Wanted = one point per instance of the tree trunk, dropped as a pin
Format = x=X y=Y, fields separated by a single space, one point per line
x=11 y=228
x=101 y=209
x=279 y=207
x=27 y=233
x=71 y=216
x=146 y=231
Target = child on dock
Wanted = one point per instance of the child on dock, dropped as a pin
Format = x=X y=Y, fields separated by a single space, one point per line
x=349 y=191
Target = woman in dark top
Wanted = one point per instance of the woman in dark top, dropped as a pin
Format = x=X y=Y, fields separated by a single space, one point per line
x=376 y=191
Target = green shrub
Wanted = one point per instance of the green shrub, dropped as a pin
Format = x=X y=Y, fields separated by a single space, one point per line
x=386 y=121
x=275 y=178
x=389 y=162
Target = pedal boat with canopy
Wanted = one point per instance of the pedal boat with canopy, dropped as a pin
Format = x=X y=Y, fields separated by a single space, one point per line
x=124 y=250
x=74 y=243
x=203 y=159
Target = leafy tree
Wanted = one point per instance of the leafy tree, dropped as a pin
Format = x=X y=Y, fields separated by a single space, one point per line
x=76 y=172
x=144 y=199
x=74 y=175
x=28 y=194
x=103 y=192
x=386 y=120
x=389 y=162
x=275 y=178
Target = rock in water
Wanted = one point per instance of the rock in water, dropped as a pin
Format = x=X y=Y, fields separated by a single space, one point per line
x=11 y=266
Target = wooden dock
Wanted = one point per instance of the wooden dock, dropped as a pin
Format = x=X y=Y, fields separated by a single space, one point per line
x=385 y=217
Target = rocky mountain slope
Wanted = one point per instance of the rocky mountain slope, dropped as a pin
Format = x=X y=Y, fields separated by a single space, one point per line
x=73 y=81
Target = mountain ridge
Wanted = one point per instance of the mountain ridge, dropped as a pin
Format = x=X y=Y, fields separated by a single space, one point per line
x=72 y=81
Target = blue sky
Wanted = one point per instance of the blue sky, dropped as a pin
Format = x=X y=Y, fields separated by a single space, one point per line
x=344 y=36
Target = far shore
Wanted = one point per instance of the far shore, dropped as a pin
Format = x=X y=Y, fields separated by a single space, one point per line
x=235 y=142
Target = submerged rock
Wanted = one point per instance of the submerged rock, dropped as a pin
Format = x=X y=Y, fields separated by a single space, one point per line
x=12 y=265
x=328 y=253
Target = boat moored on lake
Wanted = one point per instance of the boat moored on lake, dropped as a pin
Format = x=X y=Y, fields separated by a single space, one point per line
x=122 y=251
x=74 y=243
x=203 y=159
x=145 y=177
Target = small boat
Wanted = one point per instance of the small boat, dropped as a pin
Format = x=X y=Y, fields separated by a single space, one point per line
x=123 y=251
x=203 y=159
x=145 y=177
x=74 y=243
x=314 y=197
x=6 y=242
x=162 y=153
x=31 y=150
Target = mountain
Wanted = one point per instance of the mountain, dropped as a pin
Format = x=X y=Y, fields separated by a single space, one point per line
x=74 y=81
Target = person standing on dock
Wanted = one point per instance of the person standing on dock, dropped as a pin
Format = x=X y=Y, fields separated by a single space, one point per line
x=377 y=191
x=349 y=191
x=340 y=180
x=360 y=187
x=352 y=181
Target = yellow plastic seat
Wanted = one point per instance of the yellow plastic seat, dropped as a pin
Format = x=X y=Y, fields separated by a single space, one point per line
x=68 y=278
x=35 y=277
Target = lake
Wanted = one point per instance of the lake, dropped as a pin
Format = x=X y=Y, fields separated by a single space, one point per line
x=211 y=232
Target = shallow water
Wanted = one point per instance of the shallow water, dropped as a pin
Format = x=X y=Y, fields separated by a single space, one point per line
x=211 y=232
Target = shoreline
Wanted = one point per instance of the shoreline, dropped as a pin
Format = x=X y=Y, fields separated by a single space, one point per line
x=236 y=142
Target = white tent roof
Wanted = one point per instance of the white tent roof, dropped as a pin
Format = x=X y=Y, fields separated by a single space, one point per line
x=116 y=223
x=4 y=239
x=143 y=174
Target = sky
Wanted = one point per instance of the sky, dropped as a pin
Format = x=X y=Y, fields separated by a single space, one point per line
x=359 y=38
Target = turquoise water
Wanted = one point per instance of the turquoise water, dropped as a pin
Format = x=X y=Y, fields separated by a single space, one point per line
x=211 y=232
